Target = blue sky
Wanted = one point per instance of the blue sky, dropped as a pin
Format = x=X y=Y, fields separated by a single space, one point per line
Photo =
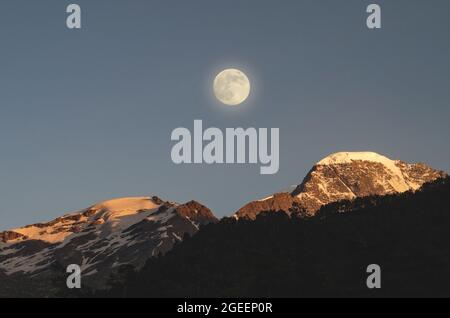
x=87 y=115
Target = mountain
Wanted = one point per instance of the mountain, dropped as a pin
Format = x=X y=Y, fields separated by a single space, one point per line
x=112 y=239
x=101 y=238
x=326 y=255
x=345 y=176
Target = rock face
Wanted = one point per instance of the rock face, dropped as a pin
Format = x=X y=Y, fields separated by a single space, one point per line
x=277 y=202
x=100 y=239
x=345 y=176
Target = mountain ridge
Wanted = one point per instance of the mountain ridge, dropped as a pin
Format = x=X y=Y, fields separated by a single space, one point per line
x=123 y=232
x=326 y=255
x=345 y=176
x=101 y=238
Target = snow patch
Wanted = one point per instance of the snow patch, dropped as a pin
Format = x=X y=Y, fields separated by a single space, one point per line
x=265 y=199
x=348 y=157
x=397 y=182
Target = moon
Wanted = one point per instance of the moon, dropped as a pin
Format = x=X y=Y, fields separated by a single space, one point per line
x=231 y=87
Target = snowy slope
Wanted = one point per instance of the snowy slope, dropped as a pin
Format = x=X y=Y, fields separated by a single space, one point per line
x=345 y=176
x=101 y=238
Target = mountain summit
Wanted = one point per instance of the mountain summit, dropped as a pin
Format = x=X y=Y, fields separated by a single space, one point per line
x=101 y=238
x=345 y=176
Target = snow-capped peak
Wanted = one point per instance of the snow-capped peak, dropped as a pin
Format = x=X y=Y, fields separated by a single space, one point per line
x=346 y=176
x=124 y=206
x=102 y=237
x=124 y=212
x=116 y=213
x=348 y=157
x=397 y=179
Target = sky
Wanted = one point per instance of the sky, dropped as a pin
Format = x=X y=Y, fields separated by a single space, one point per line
x=86 y=115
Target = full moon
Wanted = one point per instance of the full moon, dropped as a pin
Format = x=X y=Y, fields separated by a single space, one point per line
x=231 y=87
